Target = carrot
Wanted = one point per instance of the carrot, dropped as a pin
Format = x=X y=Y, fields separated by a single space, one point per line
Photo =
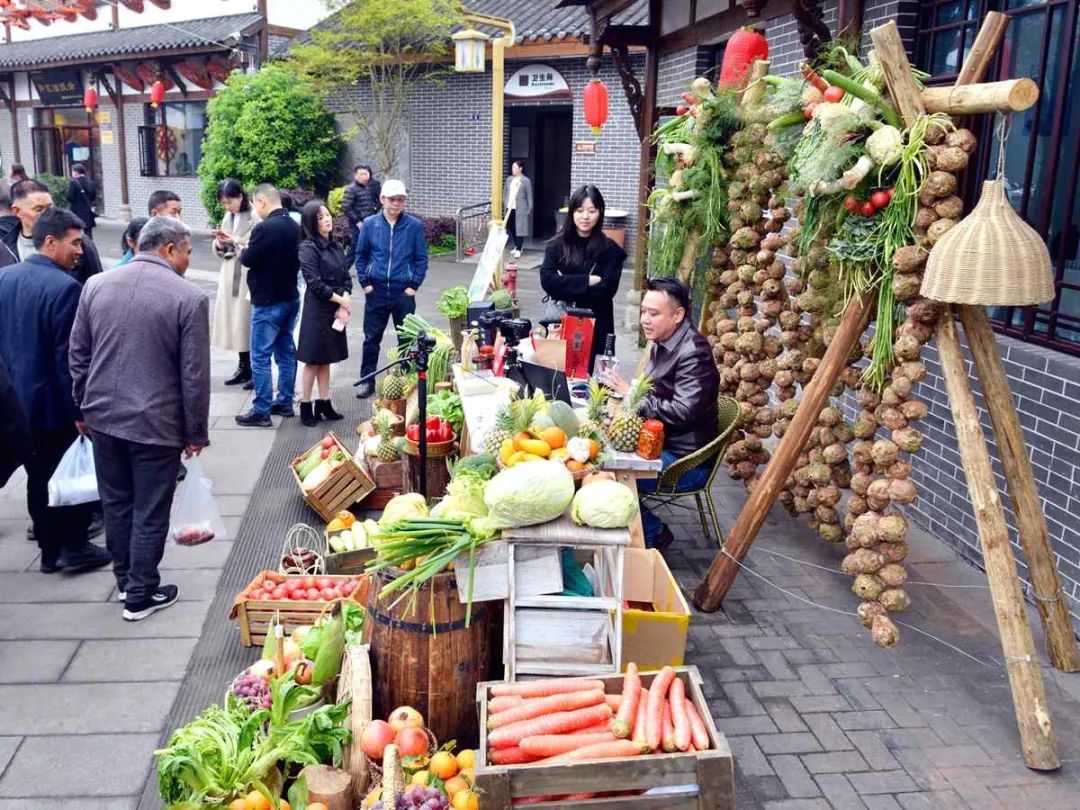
x=553 y=686
x=554 y=723
x=550 y=745
x=527 y=709
x=654 y=716
x=667 y=738
x=614 y=701
x=621 y=726
x=510 y=756
x=639 y=722
x=595 y=728
x=680 y=719
x=502 y=703
x=604 y=750
x=698 y=731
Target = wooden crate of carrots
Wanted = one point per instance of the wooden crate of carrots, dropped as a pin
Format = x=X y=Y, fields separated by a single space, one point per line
x=559 y=742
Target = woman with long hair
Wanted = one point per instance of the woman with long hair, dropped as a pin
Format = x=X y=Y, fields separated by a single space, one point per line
x=232 y=307
x=129 y=242
x=326 y=310
x=582 y=265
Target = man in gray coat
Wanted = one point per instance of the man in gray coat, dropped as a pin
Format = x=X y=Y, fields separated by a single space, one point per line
x=140 y=364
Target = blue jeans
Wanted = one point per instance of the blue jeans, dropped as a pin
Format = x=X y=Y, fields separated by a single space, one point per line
x=691 y=480
x=271 y=335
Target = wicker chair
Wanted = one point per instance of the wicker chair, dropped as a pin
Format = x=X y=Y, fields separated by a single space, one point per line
x=667 y=495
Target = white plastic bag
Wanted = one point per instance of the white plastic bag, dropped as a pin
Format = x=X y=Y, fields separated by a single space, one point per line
x=195 y=518
x=74 y=480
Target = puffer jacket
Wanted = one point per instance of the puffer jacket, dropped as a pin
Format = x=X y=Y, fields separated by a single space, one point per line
x=392 y=258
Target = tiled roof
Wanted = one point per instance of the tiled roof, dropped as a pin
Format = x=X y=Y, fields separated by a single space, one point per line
x=145 y=39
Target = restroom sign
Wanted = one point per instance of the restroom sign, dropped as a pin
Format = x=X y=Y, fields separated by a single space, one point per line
x=537 y=81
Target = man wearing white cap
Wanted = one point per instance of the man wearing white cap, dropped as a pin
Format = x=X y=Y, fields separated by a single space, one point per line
x=391 y=263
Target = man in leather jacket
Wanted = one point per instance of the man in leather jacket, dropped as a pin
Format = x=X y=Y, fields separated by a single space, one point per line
x=686 y=385
x=29 y=200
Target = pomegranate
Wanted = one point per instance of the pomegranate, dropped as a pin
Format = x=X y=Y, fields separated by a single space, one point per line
x=412 y=741
x=375 y=737
x=405 y=717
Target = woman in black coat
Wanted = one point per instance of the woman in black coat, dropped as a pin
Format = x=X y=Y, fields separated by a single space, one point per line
x=582 y=266
x=326 y=304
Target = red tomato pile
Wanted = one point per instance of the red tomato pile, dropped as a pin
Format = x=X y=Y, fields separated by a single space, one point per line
x=276 y=587
x=438 y=430
x=867 y=208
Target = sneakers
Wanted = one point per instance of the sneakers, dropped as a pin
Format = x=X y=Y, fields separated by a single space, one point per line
x=97 y=524
x=282 y=409
x=121 y=596
x=367 y=388
x=74 y=561
x=254 y=419
x=515 y=253
x=163 y=597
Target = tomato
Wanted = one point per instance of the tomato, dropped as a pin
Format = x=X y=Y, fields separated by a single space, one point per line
x=809 y=111
x=280 y=592
x=324 y=453
x=347 y=587
x=889 y=193
x=327 y=442
x=309 y=583
x=851 y=204
x=867 y=209
x=682 y=109
x=412 y=433
x=833 y=94
x=880 y=199
x=313 y=594
x=328 y=594
x=324 y=582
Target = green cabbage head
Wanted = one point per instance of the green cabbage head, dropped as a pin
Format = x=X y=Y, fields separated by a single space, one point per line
x=529 y=493
x=605 y=505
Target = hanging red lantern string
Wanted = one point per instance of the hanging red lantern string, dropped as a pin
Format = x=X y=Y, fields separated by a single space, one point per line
x=596 y=105
x=90 y=100
x=157 y=94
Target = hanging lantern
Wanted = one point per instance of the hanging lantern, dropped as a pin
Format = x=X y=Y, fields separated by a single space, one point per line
x=469 y=49
x=157 y=94
x=746 y=46
x=90 y=100
x=992 y=257
x=596 y=105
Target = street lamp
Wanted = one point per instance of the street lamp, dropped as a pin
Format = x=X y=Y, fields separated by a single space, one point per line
x=469 y=48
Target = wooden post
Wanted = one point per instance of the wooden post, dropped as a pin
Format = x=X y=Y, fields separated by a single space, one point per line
x=1009 y=437
x=1008 y=96
x=1037 y=742
x=725 y=566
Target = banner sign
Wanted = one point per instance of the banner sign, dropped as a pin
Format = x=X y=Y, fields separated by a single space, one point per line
x=537 y=81
x=59 y=88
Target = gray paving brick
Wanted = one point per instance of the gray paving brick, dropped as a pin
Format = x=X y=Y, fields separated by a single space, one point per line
x=864 y=720
x=857 y=694
x=35 y=661
x=766 y=689
x=799 y=742
x=8 y=746
x=816 y=680
x=820 y=703
x=748 y=757
x=932 y=800
x=772 y=643
x=741 y=655
x=798 y=804
x=761 y=788
x=796 y=780
x=33 y=587
x=785 y=717
x=900 y=711
x=830 y=735
x=753 y=724
x=742 y=699
x=839 y=792
x=133 y=660
x=882 y=782
x=882 y=802
x=56 y=766
x=909 y=738
x=83 y=708
x=777 y=665
x=85 y=621
x=834 y=762
x=875 y=753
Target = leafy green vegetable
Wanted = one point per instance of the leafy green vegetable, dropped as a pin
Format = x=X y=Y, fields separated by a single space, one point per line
x=454 y=303
x=447 y=404
x=328 y=661
x=353 y=615
x=287 y=696
x=482 y=466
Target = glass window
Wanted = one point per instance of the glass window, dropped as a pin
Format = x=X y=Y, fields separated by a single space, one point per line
x=171 y=142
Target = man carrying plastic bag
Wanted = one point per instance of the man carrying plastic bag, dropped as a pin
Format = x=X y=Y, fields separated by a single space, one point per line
x=74 y=481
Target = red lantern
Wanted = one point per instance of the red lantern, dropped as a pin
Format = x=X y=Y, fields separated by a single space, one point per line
x=745 y=47
x=596 y=105
x=157 y=94
x=90 y=100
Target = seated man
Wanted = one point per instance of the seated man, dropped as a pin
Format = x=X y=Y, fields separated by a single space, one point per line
x=686 y=384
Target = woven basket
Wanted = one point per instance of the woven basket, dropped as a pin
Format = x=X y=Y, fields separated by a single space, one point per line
x=992 y=257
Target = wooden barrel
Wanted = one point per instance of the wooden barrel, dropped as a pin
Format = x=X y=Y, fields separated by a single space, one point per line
x=427 y=658
x=438 y=468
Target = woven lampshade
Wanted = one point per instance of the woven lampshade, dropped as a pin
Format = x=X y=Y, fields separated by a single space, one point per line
x=991 y=257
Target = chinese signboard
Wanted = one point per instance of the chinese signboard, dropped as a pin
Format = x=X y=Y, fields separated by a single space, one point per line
x=537 y=81
x=59 y=88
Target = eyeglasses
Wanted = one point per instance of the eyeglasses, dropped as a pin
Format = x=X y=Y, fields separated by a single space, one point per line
x=398 y=200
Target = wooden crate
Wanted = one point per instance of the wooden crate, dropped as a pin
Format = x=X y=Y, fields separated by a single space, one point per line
x=387 y=474
x=346 y=485
x=698 y=780
x=349 y=562
x=255 y=615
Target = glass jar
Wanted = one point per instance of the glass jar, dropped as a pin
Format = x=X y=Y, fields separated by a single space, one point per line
x=650 y=442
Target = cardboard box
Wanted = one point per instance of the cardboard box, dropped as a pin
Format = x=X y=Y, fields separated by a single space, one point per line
x=653 y=639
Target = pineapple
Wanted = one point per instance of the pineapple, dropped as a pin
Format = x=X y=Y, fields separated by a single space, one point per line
x=593 y=423
x=626 y=425
x=393 y=386
x=512 y=419
x=388 y=450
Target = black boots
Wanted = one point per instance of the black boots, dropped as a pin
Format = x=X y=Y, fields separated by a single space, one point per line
x=307 y=417
x=243 y=371
x=324 y=410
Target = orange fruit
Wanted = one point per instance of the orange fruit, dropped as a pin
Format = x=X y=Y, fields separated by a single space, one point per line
x=594 y=449
x=238 y=804
x=444 y=765
x=284 y=805
x=522 y=437
x=468 y=774
x=465 y=800
x=466 y=758
x=257 y=801
x=554 y=436
x=455 y=784
x=574 y=465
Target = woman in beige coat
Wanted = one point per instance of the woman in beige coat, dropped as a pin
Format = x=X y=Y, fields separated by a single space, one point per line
x=232 y=309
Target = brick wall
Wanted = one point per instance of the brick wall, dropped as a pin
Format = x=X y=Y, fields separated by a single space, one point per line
x=785 y=50
x=675 y=73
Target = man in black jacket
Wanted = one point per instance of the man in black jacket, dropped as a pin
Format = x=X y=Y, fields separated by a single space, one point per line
x=273 y=260
x=82 y=197
x=361 y=200
x=14 y=432
x=29 y=200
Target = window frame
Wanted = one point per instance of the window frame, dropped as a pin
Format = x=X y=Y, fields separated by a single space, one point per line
x=150 y=162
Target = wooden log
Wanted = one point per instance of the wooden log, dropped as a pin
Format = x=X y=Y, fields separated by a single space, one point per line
x=1013 y=95
x=1034 y=538
x=894 y=65
x=1037 y=742
x=331 y=786
x=725 y=566
x=983 y=50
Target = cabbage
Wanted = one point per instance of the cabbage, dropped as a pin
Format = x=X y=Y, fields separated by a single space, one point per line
x=410 y=506
x=605 y=505
x=464 y=499
x=529 y=493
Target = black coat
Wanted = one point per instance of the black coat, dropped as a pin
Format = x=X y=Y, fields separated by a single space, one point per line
x=273 y=259
x=14 y=433
x=360 y=202
x=89 y=264
x=82 y=197
x=570 y=284
x=323 y=266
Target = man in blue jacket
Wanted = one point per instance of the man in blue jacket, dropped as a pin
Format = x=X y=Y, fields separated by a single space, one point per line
x=38 y=300
x=391 y=263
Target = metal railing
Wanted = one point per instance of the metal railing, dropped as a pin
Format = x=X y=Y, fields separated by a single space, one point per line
x=472 y=227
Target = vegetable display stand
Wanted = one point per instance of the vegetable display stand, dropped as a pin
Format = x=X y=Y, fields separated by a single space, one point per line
x=256 y=615
x=566 y=635
x=349 y=562
x=423 y=655
x=697 y=780
x=438 y=472
x=355 y=683
x=349 y=483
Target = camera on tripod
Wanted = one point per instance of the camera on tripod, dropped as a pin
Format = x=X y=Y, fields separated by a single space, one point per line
x=513 y=330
